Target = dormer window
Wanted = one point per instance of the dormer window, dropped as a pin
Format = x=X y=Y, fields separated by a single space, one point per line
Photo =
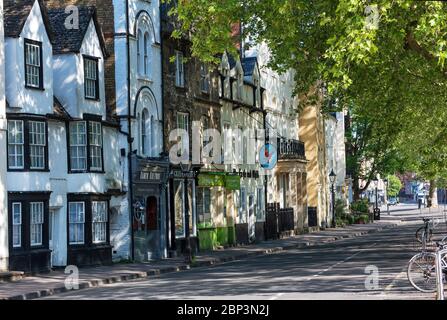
x=91 y=79
x=33 y=64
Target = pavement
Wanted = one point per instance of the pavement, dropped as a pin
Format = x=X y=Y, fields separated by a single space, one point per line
x=329 y=264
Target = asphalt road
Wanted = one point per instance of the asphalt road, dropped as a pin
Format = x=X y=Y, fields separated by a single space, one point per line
x=368 y=267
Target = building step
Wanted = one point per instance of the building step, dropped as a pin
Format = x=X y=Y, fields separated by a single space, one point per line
x=11 y=276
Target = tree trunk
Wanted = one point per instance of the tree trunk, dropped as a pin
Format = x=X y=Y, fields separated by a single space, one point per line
x=356 y=190
x=433 y=194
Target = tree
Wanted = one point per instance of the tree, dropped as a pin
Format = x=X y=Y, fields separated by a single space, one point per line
x=394 y=186
x=384 y=62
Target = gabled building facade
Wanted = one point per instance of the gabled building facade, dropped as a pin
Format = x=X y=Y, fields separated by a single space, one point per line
x=244 y=135
x=64 y=183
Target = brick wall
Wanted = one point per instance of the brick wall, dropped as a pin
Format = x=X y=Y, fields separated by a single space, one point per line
x=106 y=19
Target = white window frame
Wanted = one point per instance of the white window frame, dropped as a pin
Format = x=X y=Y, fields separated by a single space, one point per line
x=91 y=78
x=95 y=145
x=179 y=69
x=17 y=225
x=37 y=144
x=81 y=222
x=36 y=223
x=74 y=131
x=99 y=222
x=16 y=144
x=33 y=65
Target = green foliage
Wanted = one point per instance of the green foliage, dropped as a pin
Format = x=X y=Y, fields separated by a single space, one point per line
x=361 y=206
x=390 y=74
x=394 y=186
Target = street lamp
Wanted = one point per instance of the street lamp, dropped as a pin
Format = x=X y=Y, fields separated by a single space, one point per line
x=186 y=168
x=386 y=196
x=376 y=185
x=332 y=177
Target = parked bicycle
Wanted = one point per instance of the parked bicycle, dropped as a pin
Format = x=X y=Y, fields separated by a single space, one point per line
x=421 y=270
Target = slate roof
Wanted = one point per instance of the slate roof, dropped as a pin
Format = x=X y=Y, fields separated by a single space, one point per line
x=16 y=14
x=249 y=64
x=70 y=40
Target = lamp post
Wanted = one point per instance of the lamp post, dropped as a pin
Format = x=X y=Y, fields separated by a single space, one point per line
x=332 y=177
x=186 y=168
x=386 y=196
x=376 y=185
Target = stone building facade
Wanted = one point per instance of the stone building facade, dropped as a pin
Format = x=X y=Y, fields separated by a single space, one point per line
x=191 y=103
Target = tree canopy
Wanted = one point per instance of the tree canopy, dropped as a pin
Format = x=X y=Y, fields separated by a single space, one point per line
x=384 y=61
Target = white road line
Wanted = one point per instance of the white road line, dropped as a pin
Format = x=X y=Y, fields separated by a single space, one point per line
x=401 y=275
x=337 y=264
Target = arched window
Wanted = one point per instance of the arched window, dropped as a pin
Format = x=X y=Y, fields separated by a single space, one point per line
x=139 y=47
x=144 y=132
x=146 y=54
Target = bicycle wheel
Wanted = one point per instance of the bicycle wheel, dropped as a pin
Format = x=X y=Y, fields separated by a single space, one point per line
x=420 y=233
x=422 y=272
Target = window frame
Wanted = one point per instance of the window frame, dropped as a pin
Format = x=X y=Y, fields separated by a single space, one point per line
x=179 y=69
x=88 y=200
x=101 y=222
x=40 y=223
x=204 y=81
x=89 y=169
x=13 y=204
x=95 y=60
x=29 y=42
x=25 y=199
x=185 y=115
x=26 y=120
x=83 y=223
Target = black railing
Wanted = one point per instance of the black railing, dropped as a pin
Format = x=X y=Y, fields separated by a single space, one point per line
x=291 y=149
x=278 y=222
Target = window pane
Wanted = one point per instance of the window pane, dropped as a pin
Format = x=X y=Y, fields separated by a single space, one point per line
x=17 y=225
x=76 y=218
x=32 y=65
x=78 y=146
x=37 y=137
x=99 y=218
x=91 y=78
x=15 y=144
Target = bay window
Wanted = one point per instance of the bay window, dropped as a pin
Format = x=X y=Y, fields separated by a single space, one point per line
x=27 y=145
x=88 y=220
x=86 y=147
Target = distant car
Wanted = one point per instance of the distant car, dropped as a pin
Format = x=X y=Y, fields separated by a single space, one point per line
x=393 y=201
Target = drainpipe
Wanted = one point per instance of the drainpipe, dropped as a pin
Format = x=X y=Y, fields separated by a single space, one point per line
x=129 y=137
x=264 y=114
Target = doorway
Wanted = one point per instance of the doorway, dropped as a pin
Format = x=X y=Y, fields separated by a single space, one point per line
x=147 y=231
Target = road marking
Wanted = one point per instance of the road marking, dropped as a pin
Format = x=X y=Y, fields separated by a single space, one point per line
x=402 y=274
x=277 y=296
x=338 y=263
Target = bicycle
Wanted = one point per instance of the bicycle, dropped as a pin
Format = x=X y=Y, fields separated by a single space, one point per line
x=421 y=271
x=424 y=234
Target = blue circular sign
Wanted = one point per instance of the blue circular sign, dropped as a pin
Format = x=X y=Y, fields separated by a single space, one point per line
x=268 y=156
